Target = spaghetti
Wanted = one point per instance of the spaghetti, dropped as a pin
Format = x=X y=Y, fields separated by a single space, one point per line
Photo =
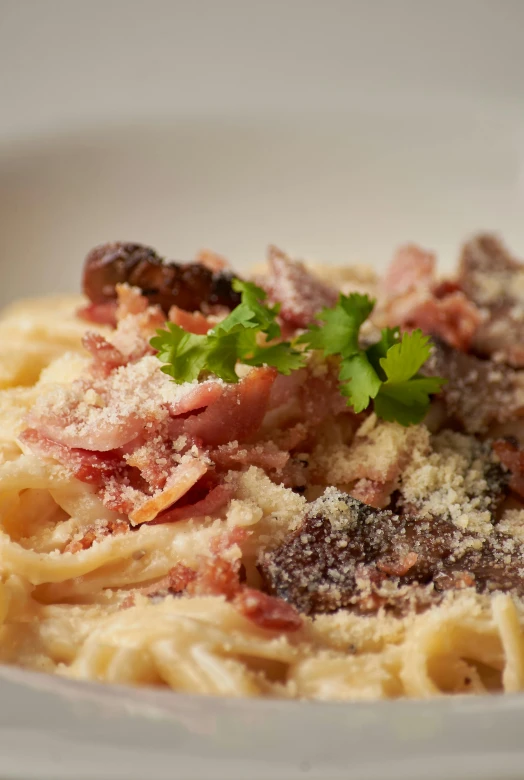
x=262 y=539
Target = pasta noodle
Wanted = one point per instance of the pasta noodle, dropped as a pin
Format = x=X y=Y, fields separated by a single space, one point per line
x=84 y=595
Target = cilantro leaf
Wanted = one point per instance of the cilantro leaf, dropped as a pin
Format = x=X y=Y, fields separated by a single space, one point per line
x=406 y=402
x=405 y=396
x=339 y=333
x=184 y=354
x=222 y=355
x=360 y=382
x=385 y=373
x=281 y=356
x=239 y=337
x=389 y=337
x=251 y=310
x=404 y=359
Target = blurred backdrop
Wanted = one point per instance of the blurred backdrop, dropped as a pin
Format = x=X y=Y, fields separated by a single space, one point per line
x=335 y=129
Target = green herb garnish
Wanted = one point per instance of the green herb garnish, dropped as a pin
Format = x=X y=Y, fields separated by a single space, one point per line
x=237 y=339
x=387 y=372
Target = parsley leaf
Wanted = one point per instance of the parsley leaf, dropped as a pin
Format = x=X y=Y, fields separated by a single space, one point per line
x=405 y=358
x=241 y=336
x=389 y=337
x=406 y=402
x=385 y=373
x=359 y=379
x=182 y=352
x=339 y=333
x=251 y=310
x=404 y=396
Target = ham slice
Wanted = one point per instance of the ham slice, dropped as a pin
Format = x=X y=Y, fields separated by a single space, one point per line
x=98 y=432
x=454 y=318
x=99 y=313
x=414 y=299
x=494 y=280
x=198 y=397
x=181 y=480
x=267 y=612
x=106 y=357
x=300 y=293
x=95 y=468
x=478 y=394
x=216 y=499
x=265 y=455
x=105 y=414
x=237 y=414
x=193 y=322
x=412 y=268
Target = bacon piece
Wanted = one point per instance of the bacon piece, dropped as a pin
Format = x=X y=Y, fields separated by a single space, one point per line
x=154 y=459
x=238 y=413
x=104 y=414
x=92 y=467
x=97 y=435
x=220 y=576
x=130 y=301
x=216 y=577
x=179 y=577
x=176 y=581
x=415 y=300
x=454 y=318
x=265 y=455
x=211 y=260
x=106 y=357
x=217 y=574
x=123 y=494
x=494 y=280
x=445 y=287
x=202 y=395
x=266 y=611
x=410 y=269
x=217 y=498
x=320 y=397
x=193 y=322
x=99 y=313
x=400 y=567
x=82 y=544
x=301 y=294
x=285 y=388
x=372 y=493
x=478 y=393
x=182 y=478
x=512 y=457
x=111 y=528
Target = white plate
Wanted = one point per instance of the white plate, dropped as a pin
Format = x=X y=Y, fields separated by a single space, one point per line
x=336 y=192
x=54 y=729
x=410 y=129
x=345 y=193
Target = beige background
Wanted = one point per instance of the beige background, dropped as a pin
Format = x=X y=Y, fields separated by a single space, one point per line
x=336 y=129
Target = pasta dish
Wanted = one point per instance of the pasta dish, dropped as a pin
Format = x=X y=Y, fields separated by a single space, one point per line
x=305 y=484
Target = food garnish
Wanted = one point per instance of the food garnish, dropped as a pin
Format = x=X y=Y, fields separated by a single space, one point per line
x=386 y=372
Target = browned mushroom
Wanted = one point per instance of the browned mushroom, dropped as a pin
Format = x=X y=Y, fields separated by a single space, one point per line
x=167 y=284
